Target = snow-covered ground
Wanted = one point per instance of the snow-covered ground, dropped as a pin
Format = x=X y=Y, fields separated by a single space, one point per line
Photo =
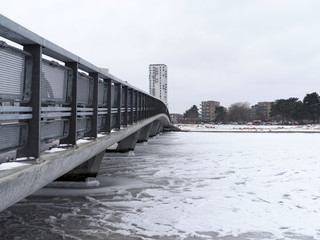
x=248 y=128
x=11 y=165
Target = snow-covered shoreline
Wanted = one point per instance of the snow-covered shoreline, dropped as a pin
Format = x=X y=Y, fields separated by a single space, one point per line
x=314 y=128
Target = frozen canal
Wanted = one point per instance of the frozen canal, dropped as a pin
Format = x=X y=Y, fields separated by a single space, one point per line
x=189 y=186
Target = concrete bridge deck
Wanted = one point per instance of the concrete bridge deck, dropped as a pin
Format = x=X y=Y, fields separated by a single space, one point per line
x=17 y=183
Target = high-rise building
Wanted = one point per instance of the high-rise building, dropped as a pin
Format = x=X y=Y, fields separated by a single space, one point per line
x=158 y=84
x=208 y=110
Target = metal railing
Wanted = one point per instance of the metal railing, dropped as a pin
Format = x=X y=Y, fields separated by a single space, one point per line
x=42 y=101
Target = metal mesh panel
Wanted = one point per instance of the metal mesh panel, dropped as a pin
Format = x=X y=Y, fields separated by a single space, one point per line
x=84 y=90
x=142 y=102
x=130 y=118
x=138 y=100
x=83 y=124
x=134 y=99
x=113 y=120
x=54 y=129
x=11 y=74
x=53 y=82
x=123 y=118
x=101 y=123
x=12 y=136
x=114 y=96
x=123 y=98
x=129 y=98
x=102 y=94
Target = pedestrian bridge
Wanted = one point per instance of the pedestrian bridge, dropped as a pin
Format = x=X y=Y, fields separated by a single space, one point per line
x=60 y=113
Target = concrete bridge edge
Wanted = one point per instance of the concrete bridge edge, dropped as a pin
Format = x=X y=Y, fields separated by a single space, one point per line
x=18 y=183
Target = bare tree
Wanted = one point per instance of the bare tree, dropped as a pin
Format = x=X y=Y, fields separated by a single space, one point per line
x=239 y=112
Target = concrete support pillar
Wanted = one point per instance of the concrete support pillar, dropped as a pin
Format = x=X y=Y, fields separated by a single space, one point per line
x=129 y=143
x=87 y=169
x=160 y=128
x=144 y=134
x=155 y=128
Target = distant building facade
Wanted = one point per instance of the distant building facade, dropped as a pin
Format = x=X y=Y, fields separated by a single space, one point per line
x=261 y=111
x=208 y=110
x=158 y=81
x=176 y=117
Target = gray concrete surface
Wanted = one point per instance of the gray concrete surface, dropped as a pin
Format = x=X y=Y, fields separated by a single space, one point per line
x=18 y=183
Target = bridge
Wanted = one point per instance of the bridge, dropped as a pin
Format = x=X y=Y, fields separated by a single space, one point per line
x=60 y=113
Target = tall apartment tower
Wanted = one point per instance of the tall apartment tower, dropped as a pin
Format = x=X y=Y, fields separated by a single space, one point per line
x=158 y=81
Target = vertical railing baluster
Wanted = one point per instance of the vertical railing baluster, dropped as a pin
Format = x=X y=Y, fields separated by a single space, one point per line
x=109 y=106
x=125 y=123
x=142 y=109
x=136 y=106
x=32 y=148
x=119 y=98
x=131 y=105
x=147 y=106
x=140 y=106
x=144 y=106
x=94 y=120
x=72 y=138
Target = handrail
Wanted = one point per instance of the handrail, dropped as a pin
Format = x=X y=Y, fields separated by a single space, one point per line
x=21 y=35
x=54 y=107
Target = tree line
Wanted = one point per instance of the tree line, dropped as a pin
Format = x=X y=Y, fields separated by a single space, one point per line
x=292 y=109
x=235 y=113
x=282 y=110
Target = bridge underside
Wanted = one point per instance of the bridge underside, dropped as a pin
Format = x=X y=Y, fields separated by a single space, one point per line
x=73 y=163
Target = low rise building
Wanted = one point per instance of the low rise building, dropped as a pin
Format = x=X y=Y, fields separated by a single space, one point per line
x=176 y=117
x=261 y=111
x=208 y=110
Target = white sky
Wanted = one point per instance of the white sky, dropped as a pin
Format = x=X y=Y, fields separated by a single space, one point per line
x=223 y=50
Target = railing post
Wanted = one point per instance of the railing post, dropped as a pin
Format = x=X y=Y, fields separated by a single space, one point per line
x=119 y=98
x=109 y=106
x=131 y=106
x=125 y=123
x=72 y=138
x=94 y=120
x=136 y=106
x=32 y=148
x=147 y=106
x=144 y=106
x=140 y=106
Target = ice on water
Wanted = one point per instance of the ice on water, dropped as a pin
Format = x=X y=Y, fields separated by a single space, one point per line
x=231 y=184
x=198 y=186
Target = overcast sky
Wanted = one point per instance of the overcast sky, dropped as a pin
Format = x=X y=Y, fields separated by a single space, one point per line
x=223 y=50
